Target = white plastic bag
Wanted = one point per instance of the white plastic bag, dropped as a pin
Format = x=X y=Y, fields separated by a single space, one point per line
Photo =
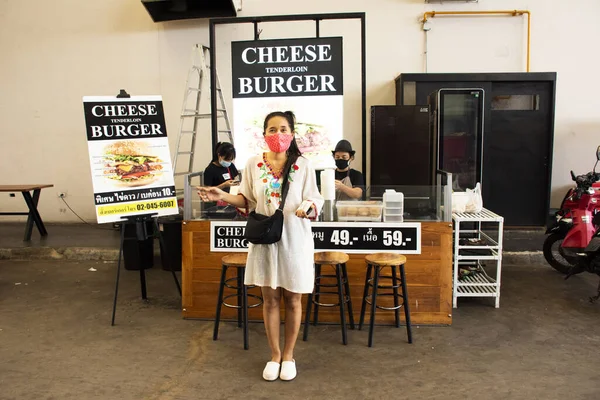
x=459 y=202
x=475 y=202
x=470 y=201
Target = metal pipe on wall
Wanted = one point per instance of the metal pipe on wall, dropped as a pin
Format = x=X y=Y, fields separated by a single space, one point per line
x=513 y=13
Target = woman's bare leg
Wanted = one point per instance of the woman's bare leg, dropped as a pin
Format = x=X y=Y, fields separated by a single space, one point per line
x=272 y=319
x=293 y=318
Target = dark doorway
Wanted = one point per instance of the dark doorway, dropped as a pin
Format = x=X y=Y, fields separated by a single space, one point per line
x=515 y=152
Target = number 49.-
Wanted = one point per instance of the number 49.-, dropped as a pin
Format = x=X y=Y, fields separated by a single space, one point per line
x=340 y=237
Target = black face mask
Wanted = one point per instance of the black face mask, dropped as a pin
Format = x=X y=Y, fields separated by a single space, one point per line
x=342 y=164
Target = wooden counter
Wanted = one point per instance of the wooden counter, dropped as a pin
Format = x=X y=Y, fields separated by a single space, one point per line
x=429 y=277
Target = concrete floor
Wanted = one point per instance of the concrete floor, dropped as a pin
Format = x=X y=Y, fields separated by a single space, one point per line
x=60 y=235
x=56 y=342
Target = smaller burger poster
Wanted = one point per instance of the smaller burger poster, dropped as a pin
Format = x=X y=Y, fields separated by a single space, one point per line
x=129 y=157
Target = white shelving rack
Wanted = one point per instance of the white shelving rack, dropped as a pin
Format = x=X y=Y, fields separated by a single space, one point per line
x=480 y=284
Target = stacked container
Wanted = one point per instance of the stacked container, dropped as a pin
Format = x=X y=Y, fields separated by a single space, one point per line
x=393 y=206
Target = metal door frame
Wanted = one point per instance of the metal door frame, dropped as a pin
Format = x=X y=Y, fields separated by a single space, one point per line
x=286 y=18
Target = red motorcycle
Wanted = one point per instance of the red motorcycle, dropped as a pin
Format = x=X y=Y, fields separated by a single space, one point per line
x=573 y=228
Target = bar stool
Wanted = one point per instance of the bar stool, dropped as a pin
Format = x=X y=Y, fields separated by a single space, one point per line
x=237 y=261
x=379 y=261
x=338 y=260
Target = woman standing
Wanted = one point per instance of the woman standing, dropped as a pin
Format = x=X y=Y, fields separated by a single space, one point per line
x=348 y=182
x=285 y=268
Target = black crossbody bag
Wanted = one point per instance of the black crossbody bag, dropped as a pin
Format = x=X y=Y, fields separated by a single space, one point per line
x=261 y=229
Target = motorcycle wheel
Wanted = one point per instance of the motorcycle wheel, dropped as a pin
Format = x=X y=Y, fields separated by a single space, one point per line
x=553 y=255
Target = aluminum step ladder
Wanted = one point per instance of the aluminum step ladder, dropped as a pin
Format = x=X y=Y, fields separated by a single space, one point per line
x=197 y=84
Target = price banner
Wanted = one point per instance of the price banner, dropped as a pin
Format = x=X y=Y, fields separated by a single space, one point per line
x=228 y=236
x=129 y=157
x=366 y=237
x=348 y=237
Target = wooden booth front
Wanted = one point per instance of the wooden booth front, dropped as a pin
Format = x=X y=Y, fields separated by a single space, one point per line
x=428 y=273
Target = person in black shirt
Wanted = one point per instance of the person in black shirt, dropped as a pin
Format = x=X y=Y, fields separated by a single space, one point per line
x=349 y=183
x=221 y=172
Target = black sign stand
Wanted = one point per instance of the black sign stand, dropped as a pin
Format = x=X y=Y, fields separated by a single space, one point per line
x=123 y=94
x=141 y=235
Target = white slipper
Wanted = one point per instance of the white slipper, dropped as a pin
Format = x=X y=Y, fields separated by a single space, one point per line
x=288 y=370
x=271 y=371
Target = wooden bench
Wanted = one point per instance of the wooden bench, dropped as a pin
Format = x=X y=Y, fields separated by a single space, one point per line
x=33 y=216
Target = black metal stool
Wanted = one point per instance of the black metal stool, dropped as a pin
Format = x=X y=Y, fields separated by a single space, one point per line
x=378 y=262
x=239 y=262
x=338 y=260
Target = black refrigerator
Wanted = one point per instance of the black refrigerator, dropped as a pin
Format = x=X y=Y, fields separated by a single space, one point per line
x=457 y=134
x=402 y=149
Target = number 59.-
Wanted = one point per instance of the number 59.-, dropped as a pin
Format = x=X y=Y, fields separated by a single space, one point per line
x=392 y=238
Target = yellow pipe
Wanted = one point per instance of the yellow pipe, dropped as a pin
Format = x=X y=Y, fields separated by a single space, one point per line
x=491 y=12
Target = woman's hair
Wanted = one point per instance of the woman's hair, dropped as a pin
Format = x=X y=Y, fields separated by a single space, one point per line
x=293 y=150
x=225 y=150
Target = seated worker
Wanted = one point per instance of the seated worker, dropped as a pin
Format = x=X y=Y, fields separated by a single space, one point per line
x=349 y=182
x=221 y=172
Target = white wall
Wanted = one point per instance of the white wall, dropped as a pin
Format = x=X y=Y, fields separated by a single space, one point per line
x=53 y=53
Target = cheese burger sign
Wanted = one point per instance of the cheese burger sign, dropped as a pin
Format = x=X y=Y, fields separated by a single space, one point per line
x=129 y=157
x=301 y=75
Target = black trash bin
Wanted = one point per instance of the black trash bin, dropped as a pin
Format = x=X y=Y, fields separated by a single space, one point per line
x=171 y=233
x=138 y=254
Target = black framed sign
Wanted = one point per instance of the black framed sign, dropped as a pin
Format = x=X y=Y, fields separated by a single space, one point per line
x=319 y=20
x=348 y=237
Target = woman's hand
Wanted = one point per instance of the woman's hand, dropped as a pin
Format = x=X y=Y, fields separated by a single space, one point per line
x=338 y=185
x=210 y=193
x=228 y=184
x=300 y=213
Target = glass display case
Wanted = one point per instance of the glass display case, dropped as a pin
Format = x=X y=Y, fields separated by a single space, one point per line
x=458 y=132
x=419 y=203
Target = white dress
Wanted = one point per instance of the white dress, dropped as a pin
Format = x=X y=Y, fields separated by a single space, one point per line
x=289 y=263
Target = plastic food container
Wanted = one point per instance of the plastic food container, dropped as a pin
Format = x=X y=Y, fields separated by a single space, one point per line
x=394 y=218
x=393 y=206
x=359 y=210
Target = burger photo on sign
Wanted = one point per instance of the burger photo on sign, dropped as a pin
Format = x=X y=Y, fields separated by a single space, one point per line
x=130 y=163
